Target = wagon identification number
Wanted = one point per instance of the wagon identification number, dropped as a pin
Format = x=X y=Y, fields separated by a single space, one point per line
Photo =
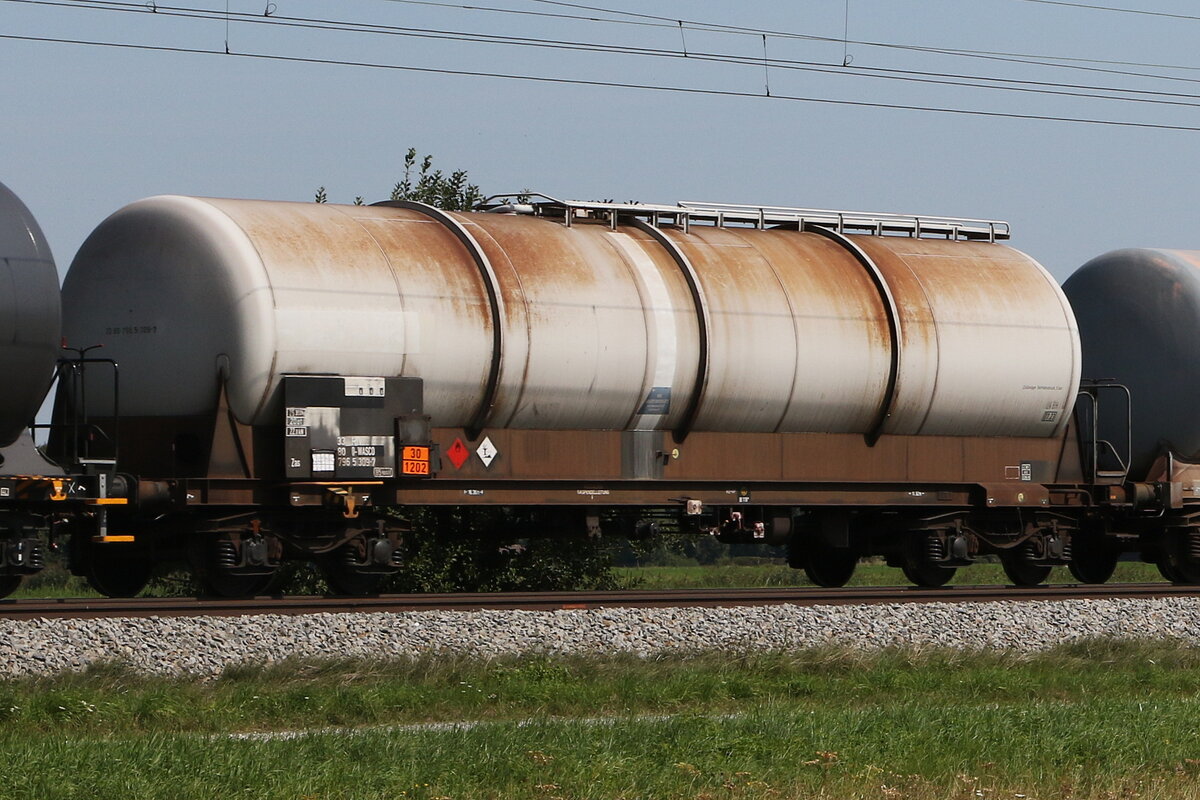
x=128 y=330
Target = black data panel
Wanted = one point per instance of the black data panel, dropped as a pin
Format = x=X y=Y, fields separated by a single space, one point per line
x=349 y=428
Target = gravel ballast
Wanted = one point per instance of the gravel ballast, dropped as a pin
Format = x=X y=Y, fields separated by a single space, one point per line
x=205 y=646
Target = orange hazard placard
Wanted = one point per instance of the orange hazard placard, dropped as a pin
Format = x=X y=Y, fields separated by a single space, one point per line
x=414 y=460
x=415 y=453
x=414 y=467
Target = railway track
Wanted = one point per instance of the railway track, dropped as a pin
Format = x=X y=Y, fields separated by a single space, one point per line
x=83 y=608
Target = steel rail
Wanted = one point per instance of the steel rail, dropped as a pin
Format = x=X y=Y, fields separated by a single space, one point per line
x=84 y=608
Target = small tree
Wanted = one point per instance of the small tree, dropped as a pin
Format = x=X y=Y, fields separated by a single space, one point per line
x=451 y=192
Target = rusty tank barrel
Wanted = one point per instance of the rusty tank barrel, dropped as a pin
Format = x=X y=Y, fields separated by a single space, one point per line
x=609 y=322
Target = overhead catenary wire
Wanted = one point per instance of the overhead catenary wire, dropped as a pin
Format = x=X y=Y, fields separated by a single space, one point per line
x=1042 y=59
x=1086 y=91
x=646 y=20
x=1034 y=59
x=1115 y=9
x=604 y=84
x=717 y=26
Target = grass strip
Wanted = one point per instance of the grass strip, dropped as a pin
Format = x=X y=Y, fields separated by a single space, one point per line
x=1052 y=750
x=352 y=693
x=1089 y=720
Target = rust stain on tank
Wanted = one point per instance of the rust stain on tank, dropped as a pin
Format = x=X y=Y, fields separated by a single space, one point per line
x=545 y=256
x=412 y=242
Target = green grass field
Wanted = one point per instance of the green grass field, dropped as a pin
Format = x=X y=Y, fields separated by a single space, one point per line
x=867 y=574
x=1092 y=720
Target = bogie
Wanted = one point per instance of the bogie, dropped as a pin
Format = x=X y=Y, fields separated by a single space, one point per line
x=235 y=563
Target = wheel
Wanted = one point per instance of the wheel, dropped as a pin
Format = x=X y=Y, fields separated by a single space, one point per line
x=830 y=566
x=1173 y=561
x=116 y=570
x=227 y=584
x=215 y=567
x=343 y=579
x=361 y=566
x=1093 y=560
x=825 y=564
x=126 y=579
x=1022 y=572
x=9 y=584
x=1167 y=570
x=345 y=575
x=1178 y=571
x=927 y=574
x=918 y=568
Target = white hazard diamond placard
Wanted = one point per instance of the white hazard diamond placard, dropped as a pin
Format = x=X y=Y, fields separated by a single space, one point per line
x=486 y=451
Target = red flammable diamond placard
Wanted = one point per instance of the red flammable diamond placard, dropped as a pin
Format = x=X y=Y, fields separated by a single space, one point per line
x=458 y=454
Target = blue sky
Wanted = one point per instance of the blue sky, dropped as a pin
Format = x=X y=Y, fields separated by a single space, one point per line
x=88 y=129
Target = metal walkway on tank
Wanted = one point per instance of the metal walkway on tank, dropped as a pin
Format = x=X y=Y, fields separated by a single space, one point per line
x=722 y=215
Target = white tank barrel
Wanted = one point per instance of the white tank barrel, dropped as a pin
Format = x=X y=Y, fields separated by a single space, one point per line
x=522 y=321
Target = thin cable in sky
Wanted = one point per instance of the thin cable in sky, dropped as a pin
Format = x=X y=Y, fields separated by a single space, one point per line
x=1091 y=7
x=546 y=14
x=1025 y=86
x=1033 y=59
x=605 y=84
x=1039 y=59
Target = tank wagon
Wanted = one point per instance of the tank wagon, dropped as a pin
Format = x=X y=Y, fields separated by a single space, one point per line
x=848 y=384
x=1139 y=317
x=36 y=494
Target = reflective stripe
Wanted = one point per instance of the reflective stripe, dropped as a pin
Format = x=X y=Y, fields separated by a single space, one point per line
x=662 y=321
x=689 y=274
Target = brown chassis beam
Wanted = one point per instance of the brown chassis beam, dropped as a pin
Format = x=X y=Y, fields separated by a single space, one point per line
x=207 y=493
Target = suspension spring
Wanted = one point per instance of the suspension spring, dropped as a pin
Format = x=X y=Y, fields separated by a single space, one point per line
x=935 y=548
x=226 y=555
x=37 y=556
x=1193 y=544
x=1067 y=548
